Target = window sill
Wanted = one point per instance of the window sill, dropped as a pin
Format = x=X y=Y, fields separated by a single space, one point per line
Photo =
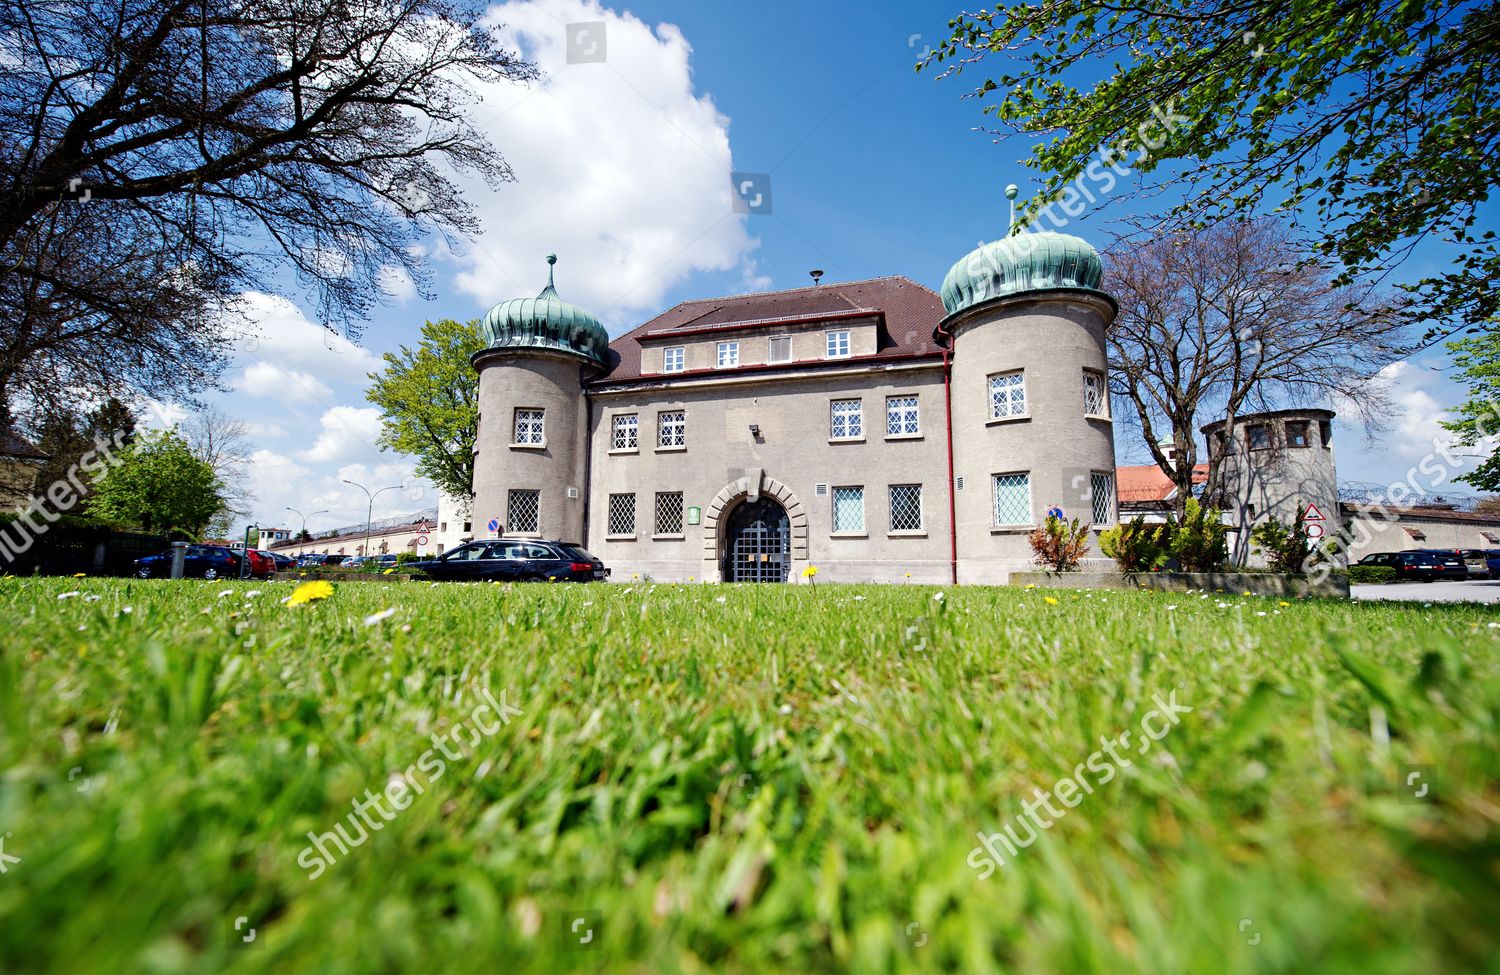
x=848 y=534
x=672 y=450
x=846 y=439
x=1102 y=417
x=1012 y=529
x=529 y=446
x=903 y=436
x=994 y=420
x=915 y=533
x=619 y=538
x=624 y=450
x=667 y=538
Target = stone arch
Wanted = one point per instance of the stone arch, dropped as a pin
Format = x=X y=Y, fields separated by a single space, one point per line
x=751 y=487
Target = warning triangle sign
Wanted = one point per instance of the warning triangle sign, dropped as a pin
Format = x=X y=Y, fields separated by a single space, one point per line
x=1313 y=514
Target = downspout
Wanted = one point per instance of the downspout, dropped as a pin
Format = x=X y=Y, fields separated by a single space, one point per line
x=948 y=415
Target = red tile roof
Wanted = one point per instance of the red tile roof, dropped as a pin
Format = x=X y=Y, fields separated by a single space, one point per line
x=910 y=312
x=1147 y=482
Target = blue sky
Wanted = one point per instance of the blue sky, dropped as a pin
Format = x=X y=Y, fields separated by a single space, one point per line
x=622 y=171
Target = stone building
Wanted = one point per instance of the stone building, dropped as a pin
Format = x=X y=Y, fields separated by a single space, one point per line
x=873 y=429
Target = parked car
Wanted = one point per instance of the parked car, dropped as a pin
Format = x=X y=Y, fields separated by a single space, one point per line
x=387 y=561
x=284 y=563
x=1420 y=565
x=261 y=564
x=199 y=561
x=514 y=560
x=1446 y=557
x=354 y=561
x=311 y=558
x=1478 y=561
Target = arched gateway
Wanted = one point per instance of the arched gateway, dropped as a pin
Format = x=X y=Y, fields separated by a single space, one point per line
x=755 y=531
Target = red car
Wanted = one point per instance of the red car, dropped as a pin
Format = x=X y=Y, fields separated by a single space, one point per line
x=261 y=564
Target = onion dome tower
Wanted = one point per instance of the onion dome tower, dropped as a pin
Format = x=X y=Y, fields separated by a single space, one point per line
x=1032 y=433
x=532 y=441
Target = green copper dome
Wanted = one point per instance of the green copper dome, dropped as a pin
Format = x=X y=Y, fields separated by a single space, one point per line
x=1022 y=263
x=546 y=322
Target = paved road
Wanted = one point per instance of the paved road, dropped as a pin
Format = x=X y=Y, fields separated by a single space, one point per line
x=1479 y=591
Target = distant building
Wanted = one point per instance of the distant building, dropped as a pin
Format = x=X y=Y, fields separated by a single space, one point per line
x=20 y=463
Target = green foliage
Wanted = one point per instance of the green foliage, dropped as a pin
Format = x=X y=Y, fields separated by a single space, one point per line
x=1372 y=573
x=1198 y=542
x=779 y=782
x=1477 y=422
x=1288 y=548
x=158 y=486
x=429 y=403
x=1058 y=545
x=404 y=557
x=1378 y=122
x=1137 y=546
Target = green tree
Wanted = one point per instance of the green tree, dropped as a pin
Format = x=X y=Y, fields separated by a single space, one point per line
x=429 y=403
x=1477 y=421
x=1377 y=123
x=158 y=486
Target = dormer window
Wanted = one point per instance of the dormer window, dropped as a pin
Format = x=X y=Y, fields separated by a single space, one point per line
x=838 y=344
x=780 y=350
x=673 y=359
x=729 y=355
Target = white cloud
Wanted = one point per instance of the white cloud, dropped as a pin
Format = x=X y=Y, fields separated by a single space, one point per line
x=348 y=433
x=279 y=332
x=623 y=170
x=272 y=381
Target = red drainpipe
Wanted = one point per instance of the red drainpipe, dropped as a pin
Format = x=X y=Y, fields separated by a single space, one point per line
x=952 y=501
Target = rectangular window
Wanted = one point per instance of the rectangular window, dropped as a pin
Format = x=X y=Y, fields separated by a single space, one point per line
x=669 y=513
x=906 y=507
x=1095 y=394
x=529 y=427
x=1012 y=499
x=838 y=344
x=1102 y=494
x=848 y=421
x=1257 y=436
x=523 y=510
x=1296 y=433
x=729 y=354
x=674 y=359
x=901 y=416
x=1326 y=429
x=781 y=349
x=626 y=430
x=671 y=428
x=848 y=509
x=622 y=514
x=1007 y=394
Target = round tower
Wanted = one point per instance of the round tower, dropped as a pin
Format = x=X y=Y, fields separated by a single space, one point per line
x=1270 y=464
x=529 y=454
x=1029 y=395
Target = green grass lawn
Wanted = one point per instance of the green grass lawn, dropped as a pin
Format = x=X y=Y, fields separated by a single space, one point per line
x=728 y=779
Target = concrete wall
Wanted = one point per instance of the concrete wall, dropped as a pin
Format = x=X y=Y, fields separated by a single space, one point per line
x=793 y=453
x=1053 y=338
x=809 y=343
x=1335 y=586
x=1370 y=533
x=531 y=379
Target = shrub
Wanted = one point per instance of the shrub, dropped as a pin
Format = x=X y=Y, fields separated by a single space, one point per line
x=1371 y=573
x=404 y=557
x=1136 y=546
x=1199 y=543
x=1059 y=545
x=1288 y=548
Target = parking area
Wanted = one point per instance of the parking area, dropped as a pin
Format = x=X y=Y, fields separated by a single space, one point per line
x=1476 y=591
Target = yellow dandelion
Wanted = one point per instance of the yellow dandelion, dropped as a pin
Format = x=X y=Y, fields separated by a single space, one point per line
x=309 y=592
x=1030 y=585
x=1283 y=603
x=1247 y=593
x=387 y=572
x=80 y=575
x=1049 y=600
x=809 y=572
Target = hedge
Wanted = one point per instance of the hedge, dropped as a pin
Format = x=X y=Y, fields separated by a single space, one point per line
x=1371 y=573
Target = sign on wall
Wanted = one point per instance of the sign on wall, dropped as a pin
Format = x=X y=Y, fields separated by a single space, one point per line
x=694 y=515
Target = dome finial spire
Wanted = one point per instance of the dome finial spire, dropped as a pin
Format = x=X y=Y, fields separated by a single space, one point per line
x=551 y=263
x=1011 y=192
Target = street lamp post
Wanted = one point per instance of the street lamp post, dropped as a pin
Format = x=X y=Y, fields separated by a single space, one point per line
x=370 y=511
x=301 y=543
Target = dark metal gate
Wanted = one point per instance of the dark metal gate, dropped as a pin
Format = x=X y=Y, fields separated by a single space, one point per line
x=758 y=543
